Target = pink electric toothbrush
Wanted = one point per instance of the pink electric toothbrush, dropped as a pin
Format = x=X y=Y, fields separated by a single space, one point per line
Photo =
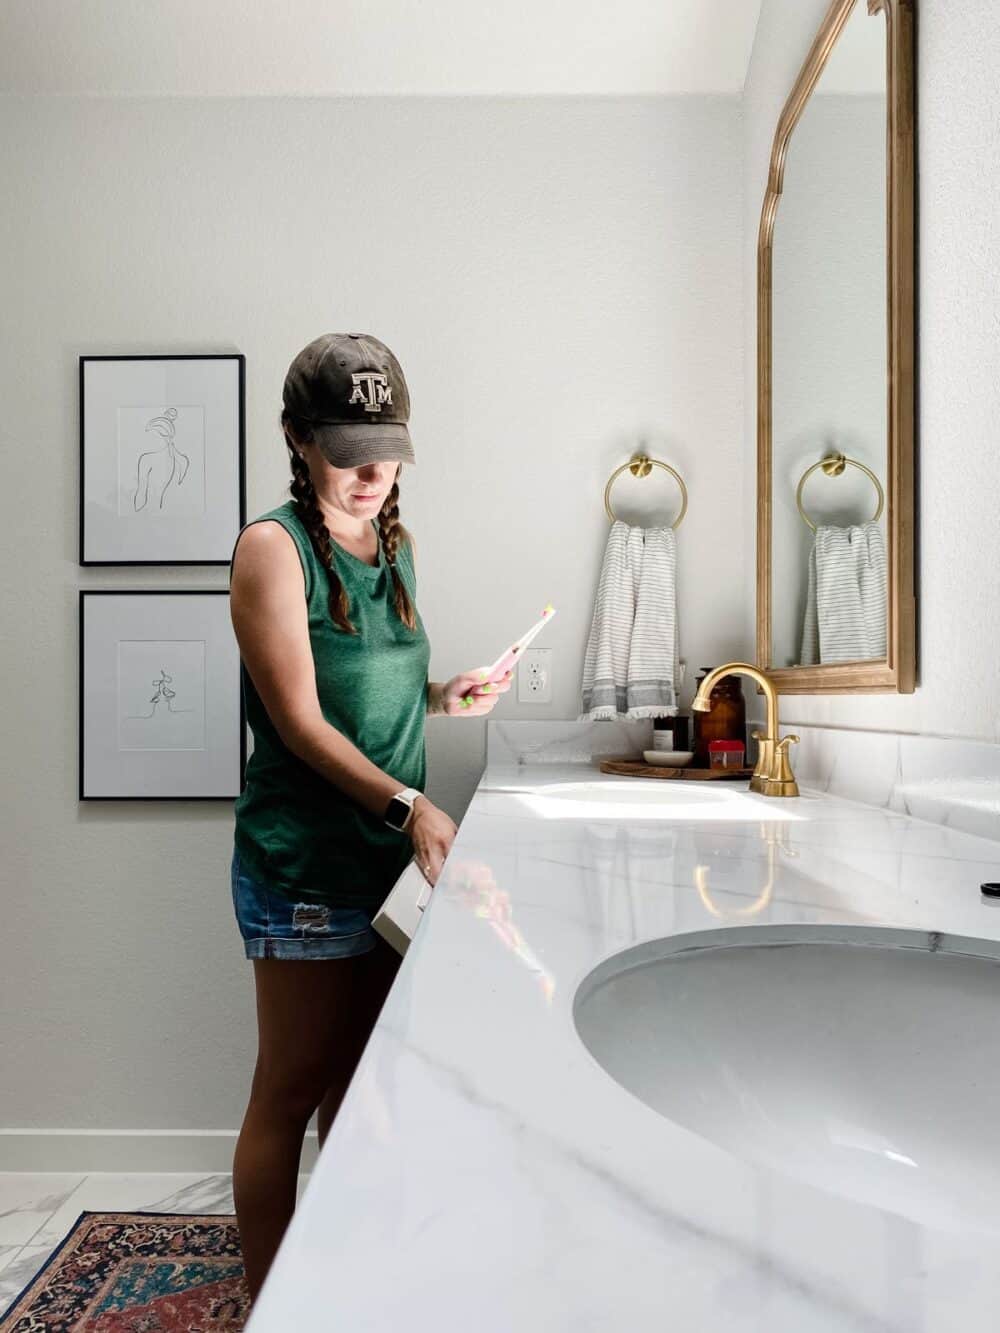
x=512 y=655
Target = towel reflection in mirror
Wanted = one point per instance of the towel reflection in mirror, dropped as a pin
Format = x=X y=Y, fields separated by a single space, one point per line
x=846 y=596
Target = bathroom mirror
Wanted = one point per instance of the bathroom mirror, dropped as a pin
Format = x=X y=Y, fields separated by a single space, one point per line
x=835 y=364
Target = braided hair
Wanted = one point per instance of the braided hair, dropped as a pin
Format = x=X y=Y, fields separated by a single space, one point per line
x=298 y=431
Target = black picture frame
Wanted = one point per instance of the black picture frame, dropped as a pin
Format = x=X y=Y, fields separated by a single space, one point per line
x=84 y=595
x=217 y=560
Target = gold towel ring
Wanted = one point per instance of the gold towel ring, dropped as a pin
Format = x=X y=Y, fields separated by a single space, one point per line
x=833 y=465
x=641 y=466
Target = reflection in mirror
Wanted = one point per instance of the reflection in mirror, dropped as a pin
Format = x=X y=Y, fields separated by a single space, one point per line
x=829 y=359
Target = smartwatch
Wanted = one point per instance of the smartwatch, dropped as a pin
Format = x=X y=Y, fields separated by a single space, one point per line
x=400 y=807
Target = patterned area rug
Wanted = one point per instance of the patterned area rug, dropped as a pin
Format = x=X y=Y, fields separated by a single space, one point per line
x=138 y=1273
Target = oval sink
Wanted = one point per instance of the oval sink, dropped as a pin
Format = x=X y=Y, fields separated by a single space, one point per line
x=652 y=798
x=865 y=1062
x=651 y=792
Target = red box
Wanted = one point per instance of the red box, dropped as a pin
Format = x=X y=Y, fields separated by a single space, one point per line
x=726 y=754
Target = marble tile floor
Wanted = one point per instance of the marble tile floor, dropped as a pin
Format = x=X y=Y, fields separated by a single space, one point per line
x=37 y=1210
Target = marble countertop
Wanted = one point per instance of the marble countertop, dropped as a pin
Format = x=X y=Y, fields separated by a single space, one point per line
x=485 y=1173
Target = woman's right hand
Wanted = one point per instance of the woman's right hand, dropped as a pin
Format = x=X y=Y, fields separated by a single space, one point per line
x=432 y=832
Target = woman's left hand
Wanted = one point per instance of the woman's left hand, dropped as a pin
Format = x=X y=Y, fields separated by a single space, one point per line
x=465 y=695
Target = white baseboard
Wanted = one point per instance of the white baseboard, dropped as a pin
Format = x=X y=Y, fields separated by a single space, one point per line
x=138 y=1150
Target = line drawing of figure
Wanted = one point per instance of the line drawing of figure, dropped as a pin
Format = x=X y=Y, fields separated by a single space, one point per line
x=160 y=466
x=162 y=692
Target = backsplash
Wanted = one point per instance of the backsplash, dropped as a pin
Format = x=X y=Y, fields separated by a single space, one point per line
x=568 y=742
x=941 y=779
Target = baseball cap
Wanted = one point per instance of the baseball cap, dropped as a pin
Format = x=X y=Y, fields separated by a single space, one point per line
x=350 y=387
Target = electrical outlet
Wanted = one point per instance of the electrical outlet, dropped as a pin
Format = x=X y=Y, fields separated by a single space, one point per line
x=534 y=676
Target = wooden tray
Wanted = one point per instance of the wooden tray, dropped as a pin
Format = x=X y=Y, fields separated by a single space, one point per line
x=634 y=768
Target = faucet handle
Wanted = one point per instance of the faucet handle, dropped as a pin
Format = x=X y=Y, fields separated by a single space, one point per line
x=765 y=758
x=782 y=782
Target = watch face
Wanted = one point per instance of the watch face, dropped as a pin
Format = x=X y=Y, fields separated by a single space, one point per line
x=397 y=812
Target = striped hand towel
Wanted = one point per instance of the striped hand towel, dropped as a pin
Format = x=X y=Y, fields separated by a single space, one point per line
x=630 y=665
x=846 y=601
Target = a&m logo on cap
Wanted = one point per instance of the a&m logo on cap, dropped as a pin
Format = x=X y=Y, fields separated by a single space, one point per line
x=372 y=388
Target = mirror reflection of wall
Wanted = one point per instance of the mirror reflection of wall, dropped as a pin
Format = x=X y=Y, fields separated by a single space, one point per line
x=830 y=363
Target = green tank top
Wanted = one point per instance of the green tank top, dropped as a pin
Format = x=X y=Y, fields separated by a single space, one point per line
x=295 y=831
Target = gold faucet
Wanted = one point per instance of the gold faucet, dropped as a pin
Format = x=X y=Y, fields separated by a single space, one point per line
x=773 y=774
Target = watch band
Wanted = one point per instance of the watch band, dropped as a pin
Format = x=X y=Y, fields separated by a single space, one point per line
x=400 y=808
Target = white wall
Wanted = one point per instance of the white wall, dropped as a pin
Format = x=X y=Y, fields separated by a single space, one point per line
x=958 y=318
x=558 y=277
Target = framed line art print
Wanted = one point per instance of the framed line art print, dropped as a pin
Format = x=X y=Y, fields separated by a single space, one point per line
x=162 y=458
x=162 y=714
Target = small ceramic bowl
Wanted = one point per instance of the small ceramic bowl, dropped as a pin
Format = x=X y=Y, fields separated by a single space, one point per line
x=669 y=758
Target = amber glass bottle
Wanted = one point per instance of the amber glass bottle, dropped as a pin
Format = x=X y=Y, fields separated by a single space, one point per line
x=725 y=720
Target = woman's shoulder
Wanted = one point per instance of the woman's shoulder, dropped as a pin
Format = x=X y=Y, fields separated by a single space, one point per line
x=282 y=516
x=266 y=533
x=279 y=513
x=265 y=529
x=273 y=536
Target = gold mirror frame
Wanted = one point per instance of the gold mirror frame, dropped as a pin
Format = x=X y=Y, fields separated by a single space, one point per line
x=897 y=673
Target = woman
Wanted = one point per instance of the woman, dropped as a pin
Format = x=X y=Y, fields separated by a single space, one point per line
x=334 y=672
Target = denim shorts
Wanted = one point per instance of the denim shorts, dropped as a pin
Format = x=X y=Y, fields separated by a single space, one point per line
x=273 y=926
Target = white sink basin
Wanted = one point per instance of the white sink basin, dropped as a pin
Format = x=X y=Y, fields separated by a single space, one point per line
x=654 y=798
x=866 y=1062
x=652 y=791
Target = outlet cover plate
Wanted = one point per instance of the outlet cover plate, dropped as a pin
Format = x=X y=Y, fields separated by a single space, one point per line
x=534 y=676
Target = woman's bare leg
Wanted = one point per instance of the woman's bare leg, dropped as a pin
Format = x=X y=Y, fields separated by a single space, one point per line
x=371 y=983
x=304 y=1026
x=314 y=1017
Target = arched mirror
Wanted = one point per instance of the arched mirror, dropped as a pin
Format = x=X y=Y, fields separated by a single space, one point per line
x=835 y=364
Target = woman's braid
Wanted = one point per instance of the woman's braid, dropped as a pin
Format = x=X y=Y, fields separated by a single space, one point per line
x=389 y=534
x=312 y=517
